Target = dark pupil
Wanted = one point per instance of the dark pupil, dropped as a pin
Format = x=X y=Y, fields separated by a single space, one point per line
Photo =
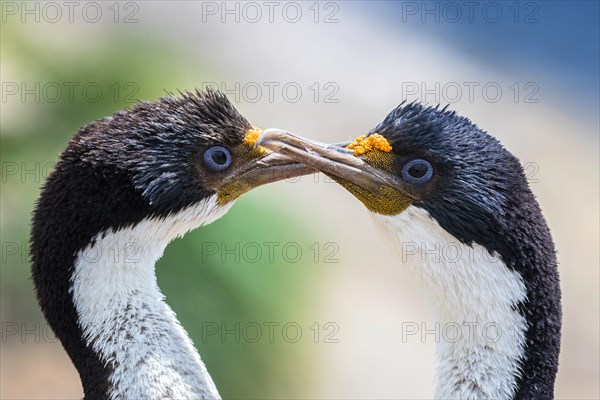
x=418 y=170
x=219 y=157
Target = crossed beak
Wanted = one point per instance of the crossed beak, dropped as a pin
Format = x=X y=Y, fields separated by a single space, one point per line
x=334 y=160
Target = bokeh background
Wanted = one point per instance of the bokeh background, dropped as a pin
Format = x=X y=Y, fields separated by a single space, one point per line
x=527 y=72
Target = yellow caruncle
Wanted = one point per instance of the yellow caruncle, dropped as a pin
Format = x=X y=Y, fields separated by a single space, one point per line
x=252 y=136
x=377 y=151
x=362 y=144
x=250 y=140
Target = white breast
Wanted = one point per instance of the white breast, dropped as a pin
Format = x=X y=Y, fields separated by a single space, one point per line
x=479 y=334
x=123 y=314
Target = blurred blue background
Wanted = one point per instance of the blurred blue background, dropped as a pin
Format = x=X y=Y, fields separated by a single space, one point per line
x=527 y=72
x=559 y=39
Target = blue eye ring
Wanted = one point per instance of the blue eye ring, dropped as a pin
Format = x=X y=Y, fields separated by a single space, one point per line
x=217 y=158
x=417 y=171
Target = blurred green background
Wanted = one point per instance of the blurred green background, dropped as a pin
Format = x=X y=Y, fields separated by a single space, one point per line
x=352 y=70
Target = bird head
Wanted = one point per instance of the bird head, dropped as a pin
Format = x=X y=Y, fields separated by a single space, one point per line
x=162 y=157
x=421 y=156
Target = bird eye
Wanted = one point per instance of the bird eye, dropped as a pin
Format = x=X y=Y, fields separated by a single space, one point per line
x=417 y=171
x=217 y=158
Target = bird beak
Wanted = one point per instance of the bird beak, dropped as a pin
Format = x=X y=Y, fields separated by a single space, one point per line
x=377 y=188
x=260 y=168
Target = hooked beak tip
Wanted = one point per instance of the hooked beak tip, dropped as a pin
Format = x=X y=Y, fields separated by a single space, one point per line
x=268 y=135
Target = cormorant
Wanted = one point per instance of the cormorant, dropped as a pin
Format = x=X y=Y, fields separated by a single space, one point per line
x=124 y=187
x=452 y=194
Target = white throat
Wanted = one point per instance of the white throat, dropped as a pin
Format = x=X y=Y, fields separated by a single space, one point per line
x=480 y=335
x=123 y=315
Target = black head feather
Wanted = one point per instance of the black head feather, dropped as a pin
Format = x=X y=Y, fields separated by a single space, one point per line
x=155 y=145
x=475 y=174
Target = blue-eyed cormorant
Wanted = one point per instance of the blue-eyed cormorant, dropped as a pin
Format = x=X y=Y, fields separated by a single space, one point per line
x=136 y=181
x=459 y=201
